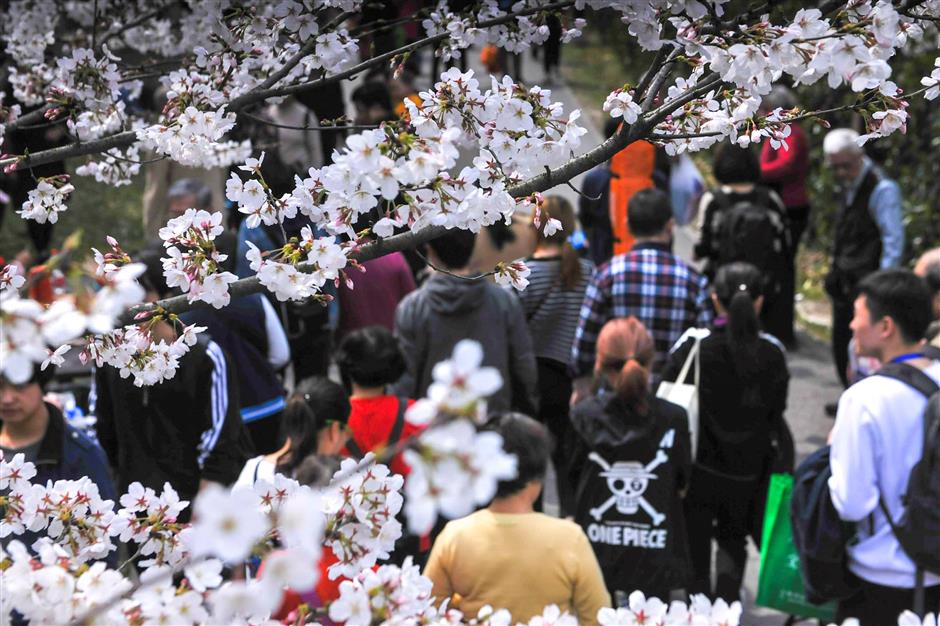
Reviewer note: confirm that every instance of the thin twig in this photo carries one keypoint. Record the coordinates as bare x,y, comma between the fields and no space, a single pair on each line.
442,270
582,194
261,120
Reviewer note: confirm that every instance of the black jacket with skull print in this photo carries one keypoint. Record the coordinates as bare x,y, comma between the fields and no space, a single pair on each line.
629,470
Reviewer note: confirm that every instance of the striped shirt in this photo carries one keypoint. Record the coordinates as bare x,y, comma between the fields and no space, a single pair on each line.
551,311
654,285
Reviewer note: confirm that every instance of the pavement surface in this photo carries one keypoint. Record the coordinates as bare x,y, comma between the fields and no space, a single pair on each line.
813,379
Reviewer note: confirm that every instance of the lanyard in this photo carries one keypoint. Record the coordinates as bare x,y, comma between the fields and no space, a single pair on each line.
907,357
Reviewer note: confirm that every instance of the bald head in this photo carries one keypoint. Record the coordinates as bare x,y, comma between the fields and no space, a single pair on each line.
928,268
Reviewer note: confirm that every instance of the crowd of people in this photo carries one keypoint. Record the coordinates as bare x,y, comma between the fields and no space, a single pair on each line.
653,496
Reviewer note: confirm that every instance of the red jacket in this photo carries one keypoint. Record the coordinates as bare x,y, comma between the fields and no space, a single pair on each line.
786,169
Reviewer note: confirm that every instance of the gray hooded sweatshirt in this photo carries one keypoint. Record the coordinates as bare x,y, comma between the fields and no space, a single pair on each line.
431,320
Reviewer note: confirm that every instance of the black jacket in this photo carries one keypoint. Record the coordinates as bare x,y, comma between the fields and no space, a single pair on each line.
179,431
740,417
629,469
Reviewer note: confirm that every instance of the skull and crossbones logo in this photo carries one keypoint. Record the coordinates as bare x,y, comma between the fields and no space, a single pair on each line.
627,481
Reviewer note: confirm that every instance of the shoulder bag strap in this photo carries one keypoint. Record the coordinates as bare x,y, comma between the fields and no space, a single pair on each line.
353,448
399,425
689,359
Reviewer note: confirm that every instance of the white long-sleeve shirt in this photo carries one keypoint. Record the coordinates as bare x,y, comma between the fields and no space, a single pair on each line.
877,440
278,347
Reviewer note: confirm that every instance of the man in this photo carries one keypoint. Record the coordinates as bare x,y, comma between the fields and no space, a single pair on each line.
876,441
187,430
511,557
928,268
649,282
38,430
594,206
451,306
868,233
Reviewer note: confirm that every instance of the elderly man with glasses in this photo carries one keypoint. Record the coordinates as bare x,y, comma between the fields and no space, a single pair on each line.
868,233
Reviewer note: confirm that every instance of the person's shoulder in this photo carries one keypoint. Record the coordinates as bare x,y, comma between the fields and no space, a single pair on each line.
688,337
773,343
81,441
555,527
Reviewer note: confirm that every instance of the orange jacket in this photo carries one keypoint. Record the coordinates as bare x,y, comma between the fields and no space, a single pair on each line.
631,170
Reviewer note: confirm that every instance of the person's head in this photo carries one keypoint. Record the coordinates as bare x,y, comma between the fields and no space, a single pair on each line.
649,215
843,154
738,294
892,312
373,103
780,97
625,351
560,209
529,441
453,249
22,403
928,268
188,193
736,165
370,358
313,422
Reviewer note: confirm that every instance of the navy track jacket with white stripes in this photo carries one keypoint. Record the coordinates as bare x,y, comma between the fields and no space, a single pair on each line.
179,431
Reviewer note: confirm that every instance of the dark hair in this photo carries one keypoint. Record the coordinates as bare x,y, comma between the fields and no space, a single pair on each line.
901,295
734,164
373,93
560,209
316,470
454,248
529,441
152,279
648,212
370,357
737,286
314,405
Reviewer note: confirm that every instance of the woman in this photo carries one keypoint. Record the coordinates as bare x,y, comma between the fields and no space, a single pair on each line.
633,461
738,172
551,303
314,422
509,556
742,432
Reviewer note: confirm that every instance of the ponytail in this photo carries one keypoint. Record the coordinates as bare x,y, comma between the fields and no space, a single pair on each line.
570,267
632,385
737,286
314,405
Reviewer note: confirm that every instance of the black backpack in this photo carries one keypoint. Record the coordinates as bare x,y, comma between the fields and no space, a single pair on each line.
750,231
819,535
918,528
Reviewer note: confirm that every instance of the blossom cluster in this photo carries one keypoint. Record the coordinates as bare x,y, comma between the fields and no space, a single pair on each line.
115,167
45,202
193,262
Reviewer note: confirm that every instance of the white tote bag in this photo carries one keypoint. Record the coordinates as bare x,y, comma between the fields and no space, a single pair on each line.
686,395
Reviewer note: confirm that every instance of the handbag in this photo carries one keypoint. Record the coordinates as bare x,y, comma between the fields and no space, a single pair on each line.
684,394
780,583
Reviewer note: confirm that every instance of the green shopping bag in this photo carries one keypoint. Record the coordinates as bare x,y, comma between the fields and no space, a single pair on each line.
779,584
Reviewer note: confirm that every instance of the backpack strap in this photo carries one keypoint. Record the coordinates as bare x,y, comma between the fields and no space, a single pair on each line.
910,376
399,425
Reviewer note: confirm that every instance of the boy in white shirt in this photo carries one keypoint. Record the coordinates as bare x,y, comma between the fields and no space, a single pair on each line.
876,441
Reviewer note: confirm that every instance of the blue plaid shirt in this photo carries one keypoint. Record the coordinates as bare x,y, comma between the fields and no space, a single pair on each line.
654,285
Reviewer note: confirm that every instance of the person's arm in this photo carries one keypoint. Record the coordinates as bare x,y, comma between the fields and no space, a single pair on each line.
589,594
703,222
278,347
595,312
885,207
704,314
854,480
221,449
522,367
439,565
407,336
